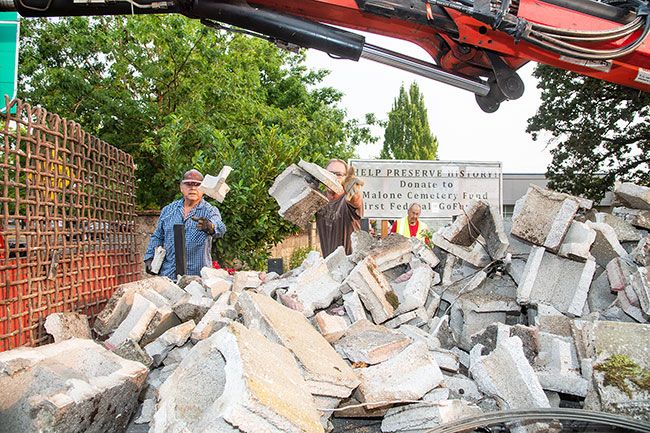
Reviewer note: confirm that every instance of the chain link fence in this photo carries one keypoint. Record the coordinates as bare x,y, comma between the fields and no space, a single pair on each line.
67,216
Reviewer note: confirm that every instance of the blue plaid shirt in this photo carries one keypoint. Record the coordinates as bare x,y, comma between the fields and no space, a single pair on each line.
197,243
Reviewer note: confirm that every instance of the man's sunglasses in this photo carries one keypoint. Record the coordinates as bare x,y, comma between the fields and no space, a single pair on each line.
191,183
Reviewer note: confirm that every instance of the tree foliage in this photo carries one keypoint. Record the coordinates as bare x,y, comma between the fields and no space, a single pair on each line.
407,134
600,132
178,95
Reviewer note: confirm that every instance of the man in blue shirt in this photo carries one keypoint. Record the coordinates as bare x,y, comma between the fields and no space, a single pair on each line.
202,222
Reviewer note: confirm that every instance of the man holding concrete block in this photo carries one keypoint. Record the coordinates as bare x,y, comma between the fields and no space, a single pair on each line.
202,222
342,215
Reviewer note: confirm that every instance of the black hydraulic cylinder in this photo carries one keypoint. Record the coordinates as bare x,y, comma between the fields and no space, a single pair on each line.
596,9
287,28
179,249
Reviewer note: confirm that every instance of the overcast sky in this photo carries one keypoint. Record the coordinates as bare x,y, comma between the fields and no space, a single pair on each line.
464,131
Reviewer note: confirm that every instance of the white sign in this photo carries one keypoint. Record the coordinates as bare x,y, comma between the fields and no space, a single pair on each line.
442,188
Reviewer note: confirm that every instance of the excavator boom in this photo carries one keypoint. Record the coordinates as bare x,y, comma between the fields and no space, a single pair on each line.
476,45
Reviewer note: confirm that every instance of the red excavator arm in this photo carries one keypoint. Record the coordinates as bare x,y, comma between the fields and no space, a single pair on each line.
476,45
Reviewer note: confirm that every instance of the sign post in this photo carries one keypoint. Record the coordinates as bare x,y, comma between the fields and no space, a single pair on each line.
9,35
441,188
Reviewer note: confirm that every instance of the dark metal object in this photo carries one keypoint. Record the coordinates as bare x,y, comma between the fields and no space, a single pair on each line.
299,31
275,265
365,224
65,8
595,9
488,419
179,249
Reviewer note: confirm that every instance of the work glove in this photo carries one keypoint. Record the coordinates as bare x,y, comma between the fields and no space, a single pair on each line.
351,184
147,267
205,225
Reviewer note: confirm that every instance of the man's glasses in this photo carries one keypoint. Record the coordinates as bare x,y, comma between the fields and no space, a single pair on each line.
337,173
191,183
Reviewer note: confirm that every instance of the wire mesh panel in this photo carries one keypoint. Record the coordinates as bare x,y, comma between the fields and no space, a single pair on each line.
67,217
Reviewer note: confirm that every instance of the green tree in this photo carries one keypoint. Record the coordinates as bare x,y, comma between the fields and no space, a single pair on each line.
407,134
599,132
176,94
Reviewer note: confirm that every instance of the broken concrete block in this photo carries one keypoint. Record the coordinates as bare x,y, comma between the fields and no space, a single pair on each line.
353,307
147,409
176,336
322,175
625,232
313,289
131,350
63,326
462,388
618,272
577,242
417,317
641,253
436,394
641,286
135,324
461,287
638,218
209,272
370,343
338,264
557,366
606,246
392,251
74,386
196,289
490,336
422,417
218,316
217,286
552,280
225,384
634,196
413,293
246,280
192,308
423,252
362,242
325,372
628,307
216,186
418,334
164,318
330,326
476,255
544,216
373,290
600,294
178,354
407,376
297,199
505,373
119,304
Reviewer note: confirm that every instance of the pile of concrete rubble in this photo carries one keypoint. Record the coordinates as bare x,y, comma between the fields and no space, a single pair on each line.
417,337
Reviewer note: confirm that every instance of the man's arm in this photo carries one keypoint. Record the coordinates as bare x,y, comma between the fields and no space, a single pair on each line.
215,218
352,187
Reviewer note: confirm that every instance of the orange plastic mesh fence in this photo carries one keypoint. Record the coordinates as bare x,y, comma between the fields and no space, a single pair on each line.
67,217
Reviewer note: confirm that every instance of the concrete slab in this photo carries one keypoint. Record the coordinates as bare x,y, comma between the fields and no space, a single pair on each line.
297,199
407,376
226,385
577,242
422,417
370,343
322,175
330,326
325,372
216,186
606,246
636,217
625,232
551,280
75,386
634,196
314,289
135,324
373,289
176,336
63,326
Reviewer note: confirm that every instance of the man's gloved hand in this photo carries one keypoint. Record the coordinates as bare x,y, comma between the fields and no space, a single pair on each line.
205,225
352,184
147,266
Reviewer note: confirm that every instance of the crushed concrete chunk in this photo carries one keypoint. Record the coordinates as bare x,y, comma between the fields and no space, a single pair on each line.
544,216
218,316
74,386
606,246
246,280
353,307
475,255
406,376
297,199
369,343
422,417
63,326
578,241
338,264
192,308
373,290
638,218
313,289
135,324
557,366
330,326
176,336
322,175
225,384
131,350
641,286
634,196
462,388
147,410
625,232
392,251
506,374
216,186
424,253
552,280
413,293
325,372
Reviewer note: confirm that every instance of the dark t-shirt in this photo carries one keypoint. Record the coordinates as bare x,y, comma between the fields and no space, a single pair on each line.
336,222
